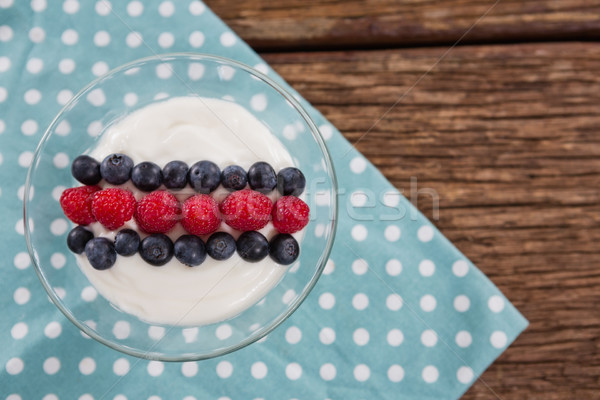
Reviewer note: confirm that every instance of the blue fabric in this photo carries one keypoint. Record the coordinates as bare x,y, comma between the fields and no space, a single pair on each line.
399,312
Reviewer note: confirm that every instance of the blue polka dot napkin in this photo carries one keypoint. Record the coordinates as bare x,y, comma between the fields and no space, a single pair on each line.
398,313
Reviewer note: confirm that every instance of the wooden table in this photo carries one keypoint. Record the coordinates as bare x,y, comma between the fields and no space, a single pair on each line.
498,110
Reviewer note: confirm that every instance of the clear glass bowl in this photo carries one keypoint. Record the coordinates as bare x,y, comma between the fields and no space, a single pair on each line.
78,127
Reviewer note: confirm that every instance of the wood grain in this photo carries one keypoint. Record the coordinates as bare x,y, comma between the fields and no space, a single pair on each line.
330,24
509,137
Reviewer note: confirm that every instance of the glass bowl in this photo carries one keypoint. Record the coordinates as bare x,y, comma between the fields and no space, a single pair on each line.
76,130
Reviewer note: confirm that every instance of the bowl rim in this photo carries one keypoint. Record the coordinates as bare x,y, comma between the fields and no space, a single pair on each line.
150,354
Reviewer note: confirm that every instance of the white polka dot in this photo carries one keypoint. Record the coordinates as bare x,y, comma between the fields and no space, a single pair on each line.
425,233
395,337
87,366
392,233
189,368
38,5
94,128
197,8
101,38
426,268
6,33
430,374
262,68
359,233
135,8
37,34
2,126
429,338
361,336
155,368
99,68
64,96
319,230
134,39
428,303
293,371
195,71
360,266
496,303
96,97
53,330
196,39
498,339
121,330
166,9
225,369
293,335
326,131
329,267
362,372
228,39
130,99
460,268
58,260
156,332
22,295
32,96
121,367
161,95
71,6
14,366
166,40
395,373
258,102
288,296
164,71
359,198
59,226
465,375
91,324
358,165
327,336
103,7
190,335
20,227
34,65
394,302
69,37
258,370
393,267
6,3
226,73
19,330
52,396
14,397
66,66
51,365
22,260
463,339
327,372
63,128
224,331
5,64
461,303
60,292
61,160
3,94
327,301
360,301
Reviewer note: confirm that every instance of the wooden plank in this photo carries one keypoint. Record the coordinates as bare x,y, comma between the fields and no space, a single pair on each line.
330,24
509,138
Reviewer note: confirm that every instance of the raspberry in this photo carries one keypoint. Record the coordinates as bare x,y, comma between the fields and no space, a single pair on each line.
157,212
290,214
113,207
77,204
246,210
200,215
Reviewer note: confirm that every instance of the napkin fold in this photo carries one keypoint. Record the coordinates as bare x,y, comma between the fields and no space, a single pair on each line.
398,313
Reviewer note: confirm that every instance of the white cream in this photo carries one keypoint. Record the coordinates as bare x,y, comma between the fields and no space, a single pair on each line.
189,129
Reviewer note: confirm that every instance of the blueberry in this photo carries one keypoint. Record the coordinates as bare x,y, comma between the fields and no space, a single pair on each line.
284,249
252,246
101,253
175,175
190,250
220,245
78,238
156,249
127,242
116,168
291,182
261,177
146,176
234,177
204,176
86,170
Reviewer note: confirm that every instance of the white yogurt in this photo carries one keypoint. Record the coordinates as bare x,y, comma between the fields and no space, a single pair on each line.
189,129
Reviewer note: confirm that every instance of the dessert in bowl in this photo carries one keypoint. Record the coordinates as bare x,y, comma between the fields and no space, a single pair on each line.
201,111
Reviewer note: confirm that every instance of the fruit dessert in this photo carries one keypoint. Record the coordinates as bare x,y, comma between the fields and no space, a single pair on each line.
183,218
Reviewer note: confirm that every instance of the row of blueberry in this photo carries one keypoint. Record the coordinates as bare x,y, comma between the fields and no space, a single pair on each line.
203,176
158,249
